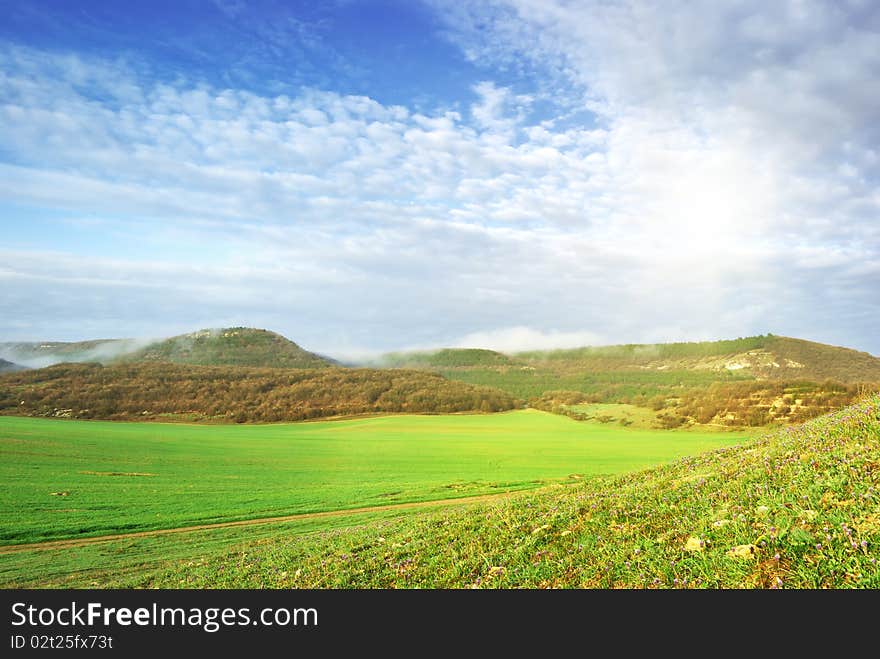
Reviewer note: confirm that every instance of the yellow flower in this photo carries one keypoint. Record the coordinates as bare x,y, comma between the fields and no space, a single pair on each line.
743,551
693,544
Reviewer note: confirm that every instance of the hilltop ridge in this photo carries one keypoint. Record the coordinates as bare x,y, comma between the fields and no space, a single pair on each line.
446,358
764,357
231,346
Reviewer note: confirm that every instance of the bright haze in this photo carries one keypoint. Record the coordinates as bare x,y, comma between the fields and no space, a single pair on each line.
364,176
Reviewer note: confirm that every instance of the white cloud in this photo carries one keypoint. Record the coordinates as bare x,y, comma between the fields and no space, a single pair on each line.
728,186
519,339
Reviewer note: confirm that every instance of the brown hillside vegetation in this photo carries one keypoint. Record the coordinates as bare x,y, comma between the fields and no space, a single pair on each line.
806,359
178,392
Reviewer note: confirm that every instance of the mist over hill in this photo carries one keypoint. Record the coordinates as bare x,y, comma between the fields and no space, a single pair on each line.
37,354
8,367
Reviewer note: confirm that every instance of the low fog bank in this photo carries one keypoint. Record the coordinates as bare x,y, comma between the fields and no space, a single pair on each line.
38,354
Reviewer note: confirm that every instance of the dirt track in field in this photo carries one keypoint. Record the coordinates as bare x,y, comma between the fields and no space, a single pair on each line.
79,542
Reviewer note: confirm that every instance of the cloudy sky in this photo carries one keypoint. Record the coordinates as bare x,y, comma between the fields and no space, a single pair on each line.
366,175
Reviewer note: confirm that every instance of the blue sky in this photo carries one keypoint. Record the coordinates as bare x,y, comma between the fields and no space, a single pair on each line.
364,176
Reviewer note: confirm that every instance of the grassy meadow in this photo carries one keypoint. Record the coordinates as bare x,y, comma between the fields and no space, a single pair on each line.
796,508
68,479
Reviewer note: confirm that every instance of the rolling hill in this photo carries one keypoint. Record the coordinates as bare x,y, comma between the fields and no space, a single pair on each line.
232,346
760,357
749,381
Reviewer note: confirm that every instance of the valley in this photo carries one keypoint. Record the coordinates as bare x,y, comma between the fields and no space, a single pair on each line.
178,462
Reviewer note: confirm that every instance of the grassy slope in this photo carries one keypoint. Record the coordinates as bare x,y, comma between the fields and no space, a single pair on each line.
233,346
802,504
135,476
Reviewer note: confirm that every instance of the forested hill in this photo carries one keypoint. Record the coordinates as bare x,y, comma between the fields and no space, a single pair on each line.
178,392
233,346
747,381
766,357
446,358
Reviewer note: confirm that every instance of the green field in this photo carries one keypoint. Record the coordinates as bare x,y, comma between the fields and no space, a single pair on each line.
71,479
795,508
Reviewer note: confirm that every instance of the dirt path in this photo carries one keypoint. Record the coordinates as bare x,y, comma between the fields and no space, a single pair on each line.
79,542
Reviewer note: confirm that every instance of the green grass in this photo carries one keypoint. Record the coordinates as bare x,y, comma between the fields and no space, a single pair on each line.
801,503
798,508
629,416
120,477
129,562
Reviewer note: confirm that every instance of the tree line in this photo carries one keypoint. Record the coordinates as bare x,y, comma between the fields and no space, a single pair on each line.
242,395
